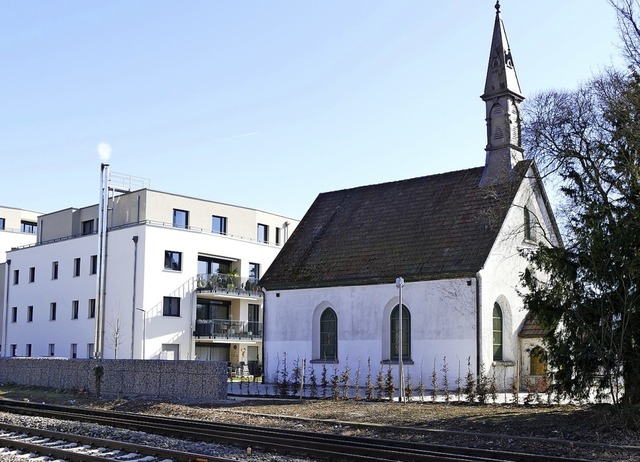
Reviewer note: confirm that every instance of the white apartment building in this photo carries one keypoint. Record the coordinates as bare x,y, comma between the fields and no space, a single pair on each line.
18,227
171,277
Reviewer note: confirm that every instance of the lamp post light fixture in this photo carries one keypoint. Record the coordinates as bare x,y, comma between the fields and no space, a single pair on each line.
401,397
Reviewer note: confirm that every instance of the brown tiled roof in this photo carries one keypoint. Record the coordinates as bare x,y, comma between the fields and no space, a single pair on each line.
423,228
531,328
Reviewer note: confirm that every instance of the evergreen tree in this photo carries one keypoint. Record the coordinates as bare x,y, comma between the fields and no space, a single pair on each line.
389,384
356,392
368,386
445,380
323,380
587,291
470,383
434,382
313,382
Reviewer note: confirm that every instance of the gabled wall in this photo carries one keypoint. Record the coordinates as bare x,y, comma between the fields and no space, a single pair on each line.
500,276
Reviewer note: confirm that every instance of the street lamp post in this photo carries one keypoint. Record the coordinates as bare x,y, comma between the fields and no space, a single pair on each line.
399,285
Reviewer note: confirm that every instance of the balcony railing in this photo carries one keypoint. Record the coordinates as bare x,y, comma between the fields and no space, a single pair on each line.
227,329
228,283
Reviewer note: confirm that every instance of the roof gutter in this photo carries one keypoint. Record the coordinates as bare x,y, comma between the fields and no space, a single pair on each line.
478,324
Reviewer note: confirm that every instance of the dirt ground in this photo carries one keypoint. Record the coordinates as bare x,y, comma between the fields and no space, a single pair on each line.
591,432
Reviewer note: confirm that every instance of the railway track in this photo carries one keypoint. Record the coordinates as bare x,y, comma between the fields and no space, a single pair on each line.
312,445
78,448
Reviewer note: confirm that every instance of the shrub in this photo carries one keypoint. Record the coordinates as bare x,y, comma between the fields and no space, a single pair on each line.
470,384
368,386
389,384
445,380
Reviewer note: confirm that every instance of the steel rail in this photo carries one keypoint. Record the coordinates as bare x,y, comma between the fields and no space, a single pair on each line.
335,447
48,449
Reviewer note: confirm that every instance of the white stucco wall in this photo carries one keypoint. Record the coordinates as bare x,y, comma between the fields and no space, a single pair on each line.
443,324
42,331
500,279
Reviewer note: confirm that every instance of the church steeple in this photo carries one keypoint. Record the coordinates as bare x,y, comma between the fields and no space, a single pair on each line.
502,99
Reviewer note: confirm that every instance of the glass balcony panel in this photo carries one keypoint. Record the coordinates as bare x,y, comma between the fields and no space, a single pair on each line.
228,283
225,328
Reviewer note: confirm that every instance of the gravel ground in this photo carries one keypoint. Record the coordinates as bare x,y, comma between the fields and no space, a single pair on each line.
589,432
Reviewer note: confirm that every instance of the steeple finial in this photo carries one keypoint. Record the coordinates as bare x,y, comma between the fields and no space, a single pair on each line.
497,6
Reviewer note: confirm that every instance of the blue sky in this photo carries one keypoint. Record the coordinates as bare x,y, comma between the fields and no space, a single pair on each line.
265,104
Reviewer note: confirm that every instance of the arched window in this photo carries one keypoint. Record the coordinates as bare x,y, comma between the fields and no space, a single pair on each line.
329,335
537,361
406,333
497,332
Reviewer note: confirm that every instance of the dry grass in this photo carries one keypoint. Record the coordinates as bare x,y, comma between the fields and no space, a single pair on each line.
496,426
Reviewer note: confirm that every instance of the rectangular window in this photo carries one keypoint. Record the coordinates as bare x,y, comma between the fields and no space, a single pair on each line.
171,306
1,223
75,305
93,264
92,308
54,270
52,349
253,324
76,267
52,311
27,350
28,227
173,260
16,277
30,313
254,271
32,274
74,350
219,224
180,218
14,314
14,349
87,227
90,350
263,233
278,232
254,277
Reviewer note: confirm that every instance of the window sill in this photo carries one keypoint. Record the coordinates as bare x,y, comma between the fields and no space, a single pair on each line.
503,363
325,361
395,361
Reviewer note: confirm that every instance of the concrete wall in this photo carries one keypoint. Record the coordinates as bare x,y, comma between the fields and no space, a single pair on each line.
179,381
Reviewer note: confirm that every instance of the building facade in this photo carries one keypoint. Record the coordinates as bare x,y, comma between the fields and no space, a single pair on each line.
18,227
452,244
169,277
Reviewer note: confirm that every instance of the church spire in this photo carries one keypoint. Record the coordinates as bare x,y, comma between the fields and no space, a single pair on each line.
502,97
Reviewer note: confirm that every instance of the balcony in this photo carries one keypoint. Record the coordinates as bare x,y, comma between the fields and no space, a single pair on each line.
228,284
227,329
